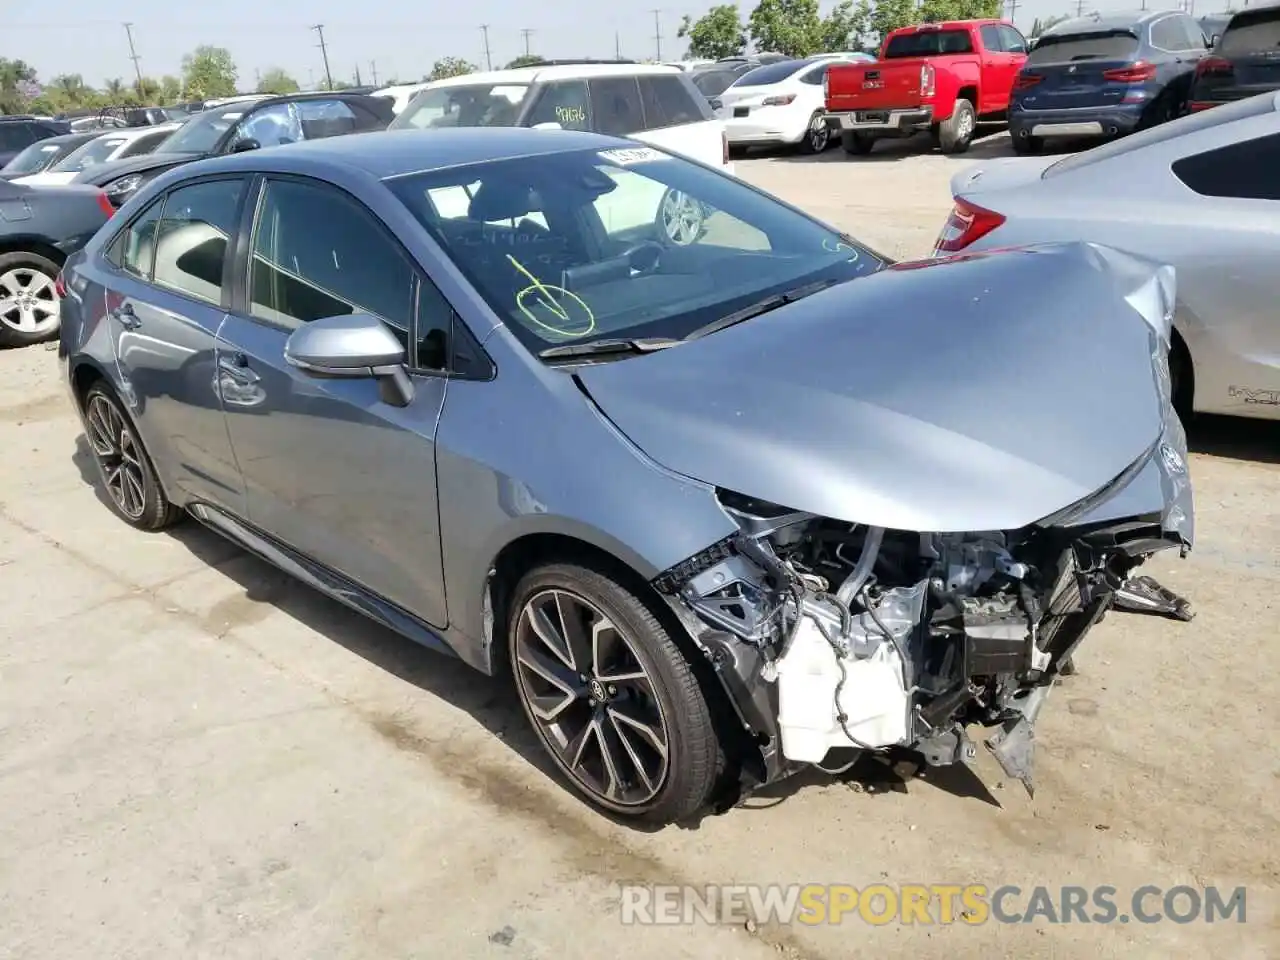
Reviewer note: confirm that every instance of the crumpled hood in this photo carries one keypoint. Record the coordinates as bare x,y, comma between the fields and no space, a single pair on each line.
982,392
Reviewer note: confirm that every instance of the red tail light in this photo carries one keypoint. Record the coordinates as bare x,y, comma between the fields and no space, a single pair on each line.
1138,73
926,80
1195,106
781,100
59,285
967,223
1214,67
1026,81
105,204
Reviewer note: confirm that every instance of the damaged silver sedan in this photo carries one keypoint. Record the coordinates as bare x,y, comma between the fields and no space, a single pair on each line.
724,501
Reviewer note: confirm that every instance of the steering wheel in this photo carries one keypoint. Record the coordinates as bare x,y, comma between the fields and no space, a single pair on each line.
645,257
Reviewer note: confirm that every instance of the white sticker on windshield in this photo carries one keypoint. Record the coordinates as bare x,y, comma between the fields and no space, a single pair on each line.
632,155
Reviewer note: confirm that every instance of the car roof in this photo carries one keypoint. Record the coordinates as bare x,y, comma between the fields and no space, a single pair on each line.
1102,22
394,153
564,71
133,133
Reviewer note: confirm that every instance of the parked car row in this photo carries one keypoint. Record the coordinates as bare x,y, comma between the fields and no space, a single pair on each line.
1099,76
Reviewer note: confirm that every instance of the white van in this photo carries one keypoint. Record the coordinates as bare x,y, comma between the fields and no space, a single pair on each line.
650,103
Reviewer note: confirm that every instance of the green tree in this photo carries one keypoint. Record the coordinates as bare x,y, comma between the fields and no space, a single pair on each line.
525,60
842,28
719,33
17,85
450,67
1041,24
115,90
792,27
276,81
209,72
170,90
936,11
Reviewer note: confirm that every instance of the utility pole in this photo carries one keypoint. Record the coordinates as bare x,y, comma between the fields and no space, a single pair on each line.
358,83
488,56
324,52
373,68
657,33
1013,11
133,55
617,45
527,34
1079,8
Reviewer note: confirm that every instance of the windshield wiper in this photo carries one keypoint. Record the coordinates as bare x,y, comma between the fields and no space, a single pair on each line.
596,347
761,306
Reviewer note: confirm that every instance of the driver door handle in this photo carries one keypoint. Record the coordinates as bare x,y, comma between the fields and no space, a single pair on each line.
237,367
125,316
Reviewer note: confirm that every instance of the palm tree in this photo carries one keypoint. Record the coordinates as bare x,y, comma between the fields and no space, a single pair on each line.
115,90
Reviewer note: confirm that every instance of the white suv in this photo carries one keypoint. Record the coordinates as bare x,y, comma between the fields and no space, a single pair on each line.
653,104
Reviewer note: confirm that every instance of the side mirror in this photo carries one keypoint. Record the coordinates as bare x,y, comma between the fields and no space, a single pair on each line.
353,345
552,125
245,144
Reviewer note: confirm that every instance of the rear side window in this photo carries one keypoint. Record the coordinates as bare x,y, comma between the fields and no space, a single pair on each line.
1252,31
1196,40
928,43
1244,170
668,102
133,250
564,102
616,102
714,82
1070,48
1204,120
15,136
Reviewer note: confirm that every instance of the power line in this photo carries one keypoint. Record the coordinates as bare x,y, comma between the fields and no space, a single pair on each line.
488,57
657,33
324,52
527,33
133,55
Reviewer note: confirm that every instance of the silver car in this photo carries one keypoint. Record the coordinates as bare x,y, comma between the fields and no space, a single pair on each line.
1201,193
721,510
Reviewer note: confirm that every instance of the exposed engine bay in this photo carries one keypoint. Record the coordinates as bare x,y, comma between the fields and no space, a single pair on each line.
828,635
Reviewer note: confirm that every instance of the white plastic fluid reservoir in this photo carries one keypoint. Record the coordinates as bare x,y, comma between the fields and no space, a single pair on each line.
873,698
807,678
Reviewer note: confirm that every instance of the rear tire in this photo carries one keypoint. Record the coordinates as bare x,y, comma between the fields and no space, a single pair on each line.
1026,146
857,144
29,307
124,466
956,132
817,136
635,737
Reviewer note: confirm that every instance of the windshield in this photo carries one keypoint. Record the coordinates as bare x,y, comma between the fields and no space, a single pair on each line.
770,73
202,132
35,158
578,246
90,155
1252,31
464,105
928,43
1067,48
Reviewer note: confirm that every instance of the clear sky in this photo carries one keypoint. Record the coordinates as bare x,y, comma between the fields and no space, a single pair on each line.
402,37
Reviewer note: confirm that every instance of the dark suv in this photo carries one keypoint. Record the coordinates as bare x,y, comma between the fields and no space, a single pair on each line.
19,132
1245,60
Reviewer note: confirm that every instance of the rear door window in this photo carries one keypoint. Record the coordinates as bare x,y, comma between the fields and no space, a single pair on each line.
1014,42
1167,34
991,38
770,73
564,102
1078,47
928,43
1252,31
668,102
191,243
321,119
616,104
15,136
1243,170
1196,40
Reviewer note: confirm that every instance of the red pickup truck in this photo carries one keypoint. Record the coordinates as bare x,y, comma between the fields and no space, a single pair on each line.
941,77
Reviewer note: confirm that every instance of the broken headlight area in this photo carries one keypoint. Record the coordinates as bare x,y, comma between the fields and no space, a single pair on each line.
827,635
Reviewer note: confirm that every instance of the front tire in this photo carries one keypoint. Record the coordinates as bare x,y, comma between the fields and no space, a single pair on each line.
610,695
30,311
128,476
956,132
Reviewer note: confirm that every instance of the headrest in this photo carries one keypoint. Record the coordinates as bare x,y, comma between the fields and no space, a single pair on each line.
501,200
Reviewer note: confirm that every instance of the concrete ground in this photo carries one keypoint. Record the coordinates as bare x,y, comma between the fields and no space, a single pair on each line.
202,758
